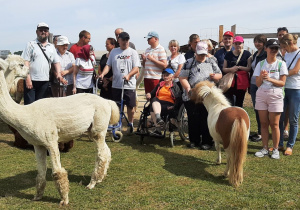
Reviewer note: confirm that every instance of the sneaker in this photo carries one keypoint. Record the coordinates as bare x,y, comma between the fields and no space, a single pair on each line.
156,133
262,153
275,154
130,128
160,122
285,134
256,138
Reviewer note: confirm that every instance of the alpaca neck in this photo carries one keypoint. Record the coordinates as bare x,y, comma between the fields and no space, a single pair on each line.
9,110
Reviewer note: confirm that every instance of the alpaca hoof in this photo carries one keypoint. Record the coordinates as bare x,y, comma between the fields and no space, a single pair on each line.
64,203
90,186
37,198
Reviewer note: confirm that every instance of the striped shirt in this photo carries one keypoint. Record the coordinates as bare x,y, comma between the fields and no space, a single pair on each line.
151,70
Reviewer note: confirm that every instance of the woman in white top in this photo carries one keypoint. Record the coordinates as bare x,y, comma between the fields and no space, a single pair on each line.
292,89
270,78
83,72
175,60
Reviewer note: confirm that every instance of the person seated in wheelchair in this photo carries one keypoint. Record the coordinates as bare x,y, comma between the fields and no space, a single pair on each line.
163,98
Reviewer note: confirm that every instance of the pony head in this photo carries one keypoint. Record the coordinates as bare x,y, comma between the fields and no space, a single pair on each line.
201,90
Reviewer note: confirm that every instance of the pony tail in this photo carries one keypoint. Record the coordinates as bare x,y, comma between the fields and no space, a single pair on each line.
238,151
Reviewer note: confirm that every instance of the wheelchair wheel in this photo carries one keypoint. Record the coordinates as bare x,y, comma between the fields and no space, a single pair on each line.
172,138
118,137
183,123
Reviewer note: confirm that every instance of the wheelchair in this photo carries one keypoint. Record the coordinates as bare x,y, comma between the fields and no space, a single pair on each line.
175,120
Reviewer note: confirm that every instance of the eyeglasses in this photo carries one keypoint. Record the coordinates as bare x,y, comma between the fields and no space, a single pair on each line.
274,48
43,29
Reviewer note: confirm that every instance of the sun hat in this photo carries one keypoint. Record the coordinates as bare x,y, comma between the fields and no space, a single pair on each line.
272,43
168,70
42,25
152,34
238,39
228,33
201,48
62,40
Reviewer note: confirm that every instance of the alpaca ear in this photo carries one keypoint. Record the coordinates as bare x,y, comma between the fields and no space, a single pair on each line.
3,65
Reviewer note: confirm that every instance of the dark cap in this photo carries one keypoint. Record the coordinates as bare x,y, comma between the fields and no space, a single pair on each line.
124,35
272,43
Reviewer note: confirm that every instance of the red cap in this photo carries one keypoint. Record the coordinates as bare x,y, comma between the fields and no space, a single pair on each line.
228,33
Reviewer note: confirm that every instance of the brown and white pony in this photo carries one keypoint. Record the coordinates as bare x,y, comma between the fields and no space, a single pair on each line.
227,125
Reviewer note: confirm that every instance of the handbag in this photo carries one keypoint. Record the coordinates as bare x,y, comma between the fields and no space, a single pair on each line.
226,81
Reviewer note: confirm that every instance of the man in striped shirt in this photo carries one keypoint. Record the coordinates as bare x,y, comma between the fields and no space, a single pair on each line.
154,61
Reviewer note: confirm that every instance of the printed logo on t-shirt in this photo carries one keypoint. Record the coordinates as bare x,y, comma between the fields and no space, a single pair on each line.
123,56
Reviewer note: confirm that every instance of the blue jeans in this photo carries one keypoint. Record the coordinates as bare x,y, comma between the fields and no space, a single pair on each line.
292,102
253,89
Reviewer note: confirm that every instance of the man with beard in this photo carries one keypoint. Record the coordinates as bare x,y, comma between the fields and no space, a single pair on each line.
39,54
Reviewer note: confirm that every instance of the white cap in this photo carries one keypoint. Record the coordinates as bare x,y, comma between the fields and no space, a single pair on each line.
201,48
62,40
42,25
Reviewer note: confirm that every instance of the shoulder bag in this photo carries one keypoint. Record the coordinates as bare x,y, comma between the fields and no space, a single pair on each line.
226,81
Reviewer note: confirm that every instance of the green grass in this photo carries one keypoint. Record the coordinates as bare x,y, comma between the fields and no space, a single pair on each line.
151,176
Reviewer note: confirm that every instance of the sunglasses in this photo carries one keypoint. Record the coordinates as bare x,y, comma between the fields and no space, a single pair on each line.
43,29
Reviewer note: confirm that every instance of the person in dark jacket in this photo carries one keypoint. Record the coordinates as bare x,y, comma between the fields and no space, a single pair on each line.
163,97
259,42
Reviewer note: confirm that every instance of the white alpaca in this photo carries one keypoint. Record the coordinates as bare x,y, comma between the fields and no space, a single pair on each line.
227,125
46,122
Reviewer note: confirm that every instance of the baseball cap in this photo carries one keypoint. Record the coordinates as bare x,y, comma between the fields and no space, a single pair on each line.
168,70
228,33
201,48
42,25
238,39
152,34
62,40
272,43
124,35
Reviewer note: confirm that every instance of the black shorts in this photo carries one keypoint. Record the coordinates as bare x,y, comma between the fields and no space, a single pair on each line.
164,105
129,97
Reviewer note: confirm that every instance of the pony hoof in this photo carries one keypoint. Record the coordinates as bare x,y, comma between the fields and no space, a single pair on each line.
218,162
64,203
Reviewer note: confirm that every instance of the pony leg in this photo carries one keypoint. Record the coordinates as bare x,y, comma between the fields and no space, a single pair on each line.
41,156
218,148
102,160
60,175
226,172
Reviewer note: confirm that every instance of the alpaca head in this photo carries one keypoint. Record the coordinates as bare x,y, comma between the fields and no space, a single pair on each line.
201,90
16,66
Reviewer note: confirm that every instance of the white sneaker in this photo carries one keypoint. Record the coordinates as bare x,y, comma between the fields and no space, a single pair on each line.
285,134
275,154
262,153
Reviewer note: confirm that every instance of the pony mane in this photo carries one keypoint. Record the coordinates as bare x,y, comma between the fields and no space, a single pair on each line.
206,88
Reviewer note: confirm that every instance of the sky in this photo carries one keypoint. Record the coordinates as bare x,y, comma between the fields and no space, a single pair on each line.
176,19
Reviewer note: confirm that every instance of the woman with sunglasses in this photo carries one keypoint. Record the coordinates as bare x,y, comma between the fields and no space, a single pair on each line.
236,62
292,90
270,78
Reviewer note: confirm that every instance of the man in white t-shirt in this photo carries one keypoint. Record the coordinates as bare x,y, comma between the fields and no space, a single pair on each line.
154,61
124,62
39,54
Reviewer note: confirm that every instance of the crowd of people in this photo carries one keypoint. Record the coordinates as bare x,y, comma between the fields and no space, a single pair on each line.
271,76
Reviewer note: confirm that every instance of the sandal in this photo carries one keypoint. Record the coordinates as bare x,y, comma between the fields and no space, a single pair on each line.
288,151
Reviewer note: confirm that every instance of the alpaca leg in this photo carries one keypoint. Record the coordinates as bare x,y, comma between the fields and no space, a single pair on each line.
218,148
226,172
102,161
40,155
60,175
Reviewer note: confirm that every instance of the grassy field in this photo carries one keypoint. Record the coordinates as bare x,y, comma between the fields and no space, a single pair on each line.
151,176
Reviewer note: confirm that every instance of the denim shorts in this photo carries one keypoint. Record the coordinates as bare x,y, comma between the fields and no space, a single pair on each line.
269,99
